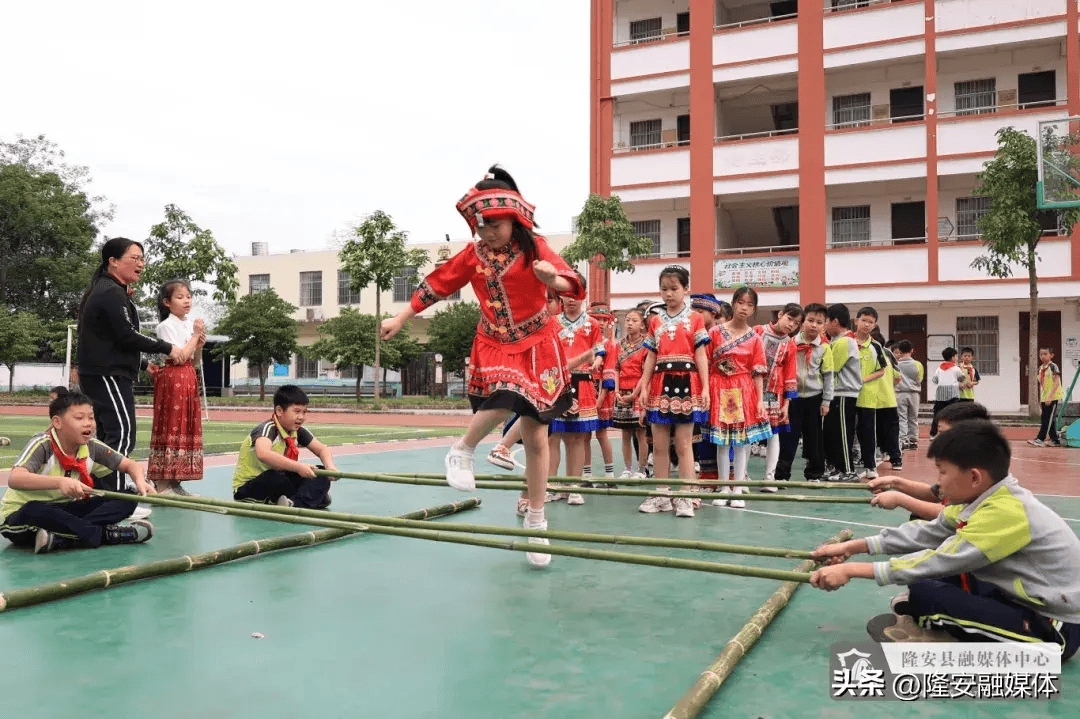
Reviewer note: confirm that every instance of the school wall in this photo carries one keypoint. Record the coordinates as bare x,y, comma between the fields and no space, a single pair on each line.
31,375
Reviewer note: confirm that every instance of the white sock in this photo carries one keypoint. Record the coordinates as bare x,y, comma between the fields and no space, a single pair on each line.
772,454
586,471
609,470
534,517
464,447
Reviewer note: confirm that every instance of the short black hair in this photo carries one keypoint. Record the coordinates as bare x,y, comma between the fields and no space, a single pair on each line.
868,310
962,412
948,353
59,390
840,313
794,309
974,444
288,395
968,350
725,309
680,273
904,346
816,308
67,399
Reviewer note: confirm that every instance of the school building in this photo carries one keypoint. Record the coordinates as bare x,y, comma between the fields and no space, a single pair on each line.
314,282
827,151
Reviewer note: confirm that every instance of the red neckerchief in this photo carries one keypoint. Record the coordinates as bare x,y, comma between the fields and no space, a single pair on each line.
807,348
965,578
69,463
292,451
946,366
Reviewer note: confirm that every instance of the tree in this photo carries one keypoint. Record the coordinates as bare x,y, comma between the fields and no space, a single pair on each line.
46,240
19,333
605,233
1011,228
261,330
178,248
376,255
348,340
451,332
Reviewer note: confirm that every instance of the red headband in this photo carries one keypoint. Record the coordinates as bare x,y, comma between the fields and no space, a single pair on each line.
493,204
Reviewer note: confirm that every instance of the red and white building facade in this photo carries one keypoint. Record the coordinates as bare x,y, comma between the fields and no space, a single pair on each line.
826,151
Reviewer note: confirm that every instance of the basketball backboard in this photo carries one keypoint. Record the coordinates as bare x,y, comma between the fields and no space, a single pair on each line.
1058,144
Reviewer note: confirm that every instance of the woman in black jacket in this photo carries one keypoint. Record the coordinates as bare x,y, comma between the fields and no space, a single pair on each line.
110,347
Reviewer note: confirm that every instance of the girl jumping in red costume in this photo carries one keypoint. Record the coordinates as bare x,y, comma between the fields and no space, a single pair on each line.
517,363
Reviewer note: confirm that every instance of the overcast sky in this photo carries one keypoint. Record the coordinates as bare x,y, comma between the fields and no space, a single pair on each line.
284,121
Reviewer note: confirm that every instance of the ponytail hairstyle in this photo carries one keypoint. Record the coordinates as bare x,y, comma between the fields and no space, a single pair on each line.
166,293
680,273
502,180
114,249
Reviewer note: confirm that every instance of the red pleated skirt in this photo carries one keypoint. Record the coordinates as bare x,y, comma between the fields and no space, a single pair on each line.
176,446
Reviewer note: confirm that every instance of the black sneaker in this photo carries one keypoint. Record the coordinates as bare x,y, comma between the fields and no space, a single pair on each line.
135,533
897,466
45,542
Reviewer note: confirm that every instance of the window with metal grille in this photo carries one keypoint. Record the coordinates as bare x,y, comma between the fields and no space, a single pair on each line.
258,283
976,97
844,4
310,289
981,335
345,294
650,229
405,284
851,226
682,237
306,368
644,133
851,110
253,370
649,29
968,212
349,371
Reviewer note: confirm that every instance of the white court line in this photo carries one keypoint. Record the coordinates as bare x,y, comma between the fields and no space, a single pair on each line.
814,519
1045,461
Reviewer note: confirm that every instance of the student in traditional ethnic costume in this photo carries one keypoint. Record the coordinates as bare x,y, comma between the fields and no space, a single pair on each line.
604,382
781,384
676,379
582,343
705,463
517,363
269,469
48,505
739,417
176,449
814,374
629,363
996,565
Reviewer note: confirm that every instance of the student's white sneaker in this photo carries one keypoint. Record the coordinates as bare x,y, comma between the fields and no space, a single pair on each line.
142,511
522,506
536,559
574,498
769,490
868,474
460,469
683,507
738,503
723,501
654,505
638,475
626,474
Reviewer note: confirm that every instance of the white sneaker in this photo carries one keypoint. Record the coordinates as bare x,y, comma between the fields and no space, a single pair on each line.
738,503
142,511
574,498
683,507
723,501
179,490
769,490
868,474
284,501
522,506
555,496
697,468
638,475
459,469
626,474
653,505
504,459
536,559
165,488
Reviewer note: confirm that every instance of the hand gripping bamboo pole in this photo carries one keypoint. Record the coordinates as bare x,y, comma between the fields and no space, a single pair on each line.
19,598
696,565
695,698
504,531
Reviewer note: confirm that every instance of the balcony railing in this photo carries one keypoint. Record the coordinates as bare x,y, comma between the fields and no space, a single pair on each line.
878,243
756,135
832,7
651,146
764,250
878,123
1013,106
756,21
651,39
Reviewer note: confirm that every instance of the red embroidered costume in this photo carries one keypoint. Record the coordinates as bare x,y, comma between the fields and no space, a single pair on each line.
605,377
176,438
517,360
578,336
629,364
675,389
782,381
733,363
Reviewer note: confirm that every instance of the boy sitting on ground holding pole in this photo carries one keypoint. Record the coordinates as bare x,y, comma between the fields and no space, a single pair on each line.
996,565
48,504
268,469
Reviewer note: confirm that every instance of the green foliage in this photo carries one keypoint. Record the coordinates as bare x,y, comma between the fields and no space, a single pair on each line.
451,332
349,339
19,333
604,230
46,239
261,330
179,249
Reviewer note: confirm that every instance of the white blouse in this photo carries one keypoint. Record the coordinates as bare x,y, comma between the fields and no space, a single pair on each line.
175,331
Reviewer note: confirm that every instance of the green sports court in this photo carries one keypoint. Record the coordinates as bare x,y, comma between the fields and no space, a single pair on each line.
394,627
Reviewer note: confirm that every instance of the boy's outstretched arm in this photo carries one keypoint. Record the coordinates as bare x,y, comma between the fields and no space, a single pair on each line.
837,575
324,454
894,499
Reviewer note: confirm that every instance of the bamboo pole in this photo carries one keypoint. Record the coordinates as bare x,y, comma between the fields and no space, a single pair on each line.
695,698
19,598
697,565
653,481
517,486
211,502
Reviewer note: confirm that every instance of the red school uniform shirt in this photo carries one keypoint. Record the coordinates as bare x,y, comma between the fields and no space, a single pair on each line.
630,363
578,336
513,300
674,338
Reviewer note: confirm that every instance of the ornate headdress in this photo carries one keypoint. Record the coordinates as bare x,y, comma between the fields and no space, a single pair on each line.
494,203
601,311
706,302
